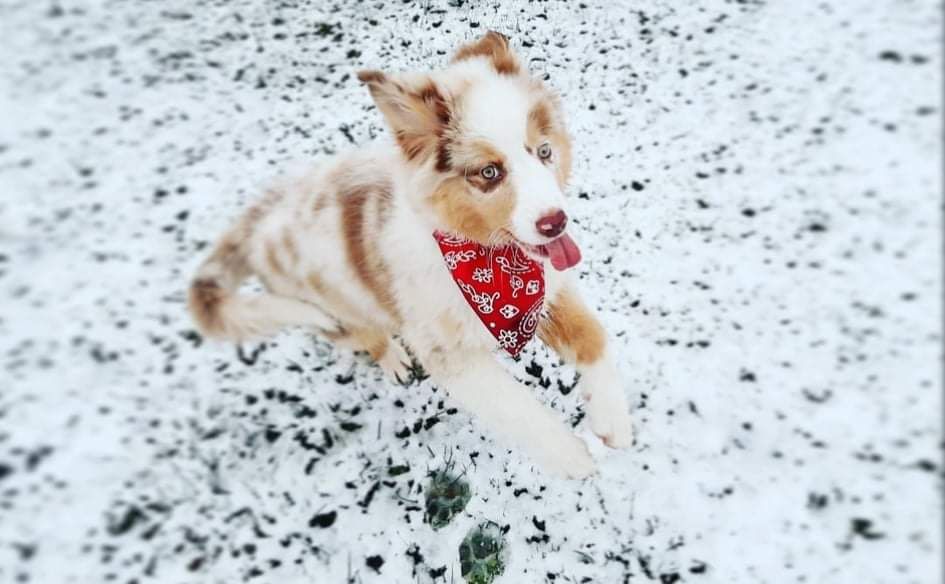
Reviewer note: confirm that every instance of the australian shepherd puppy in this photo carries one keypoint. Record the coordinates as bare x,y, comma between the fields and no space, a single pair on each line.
481,152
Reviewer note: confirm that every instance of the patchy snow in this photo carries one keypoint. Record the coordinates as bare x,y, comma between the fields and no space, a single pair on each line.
758,194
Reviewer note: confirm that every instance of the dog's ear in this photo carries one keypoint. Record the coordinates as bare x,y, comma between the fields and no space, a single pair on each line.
416,109
495,47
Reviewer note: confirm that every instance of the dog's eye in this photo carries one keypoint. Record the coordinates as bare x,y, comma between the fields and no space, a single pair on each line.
544,151
490,172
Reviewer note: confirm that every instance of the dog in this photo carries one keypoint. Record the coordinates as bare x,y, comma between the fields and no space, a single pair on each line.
359,250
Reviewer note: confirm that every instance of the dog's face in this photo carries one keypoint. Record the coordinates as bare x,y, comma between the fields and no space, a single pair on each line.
494,143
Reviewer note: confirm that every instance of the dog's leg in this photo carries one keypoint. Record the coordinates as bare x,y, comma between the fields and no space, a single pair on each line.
384,350
478,383
387,353
575,333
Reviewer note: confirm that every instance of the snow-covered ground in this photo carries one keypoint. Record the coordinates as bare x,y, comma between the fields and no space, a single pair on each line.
758,196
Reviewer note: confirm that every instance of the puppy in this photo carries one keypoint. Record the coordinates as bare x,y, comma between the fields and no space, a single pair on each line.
367,247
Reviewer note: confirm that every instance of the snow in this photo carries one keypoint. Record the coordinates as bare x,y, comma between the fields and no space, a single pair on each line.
757,190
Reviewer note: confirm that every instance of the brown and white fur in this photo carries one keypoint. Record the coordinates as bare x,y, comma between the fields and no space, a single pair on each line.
348,250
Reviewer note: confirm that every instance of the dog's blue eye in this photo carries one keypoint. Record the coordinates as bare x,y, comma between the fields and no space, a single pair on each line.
544,151
489,172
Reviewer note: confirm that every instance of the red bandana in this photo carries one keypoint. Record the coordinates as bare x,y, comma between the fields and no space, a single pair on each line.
503,286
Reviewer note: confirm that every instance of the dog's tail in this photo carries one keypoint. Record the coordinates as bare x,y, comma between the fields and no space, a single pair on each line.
222,313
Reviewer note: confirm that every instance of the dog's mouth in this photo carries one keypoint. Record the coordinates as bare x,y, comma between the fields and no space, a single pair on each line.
561,251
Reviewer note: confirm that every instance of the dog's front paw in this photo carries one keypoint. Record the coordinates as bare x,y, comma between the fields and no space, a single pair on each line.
567,457
610,420
396,363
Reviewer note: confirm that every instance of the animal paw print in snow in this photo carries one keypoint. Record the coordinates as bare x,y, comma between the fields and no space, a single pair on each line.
482,554
447,496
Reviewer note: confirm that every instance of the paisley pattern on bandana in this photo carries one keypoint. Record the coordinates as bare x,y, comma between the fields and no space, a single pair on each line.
502,285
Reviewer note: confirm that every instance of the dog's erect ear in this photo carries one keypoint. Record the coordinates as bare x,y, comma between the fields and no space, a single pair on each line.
495,47
416,110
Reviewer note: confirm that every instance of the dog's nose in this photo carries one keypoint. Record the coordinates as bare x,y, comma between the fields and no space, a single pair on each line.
552,224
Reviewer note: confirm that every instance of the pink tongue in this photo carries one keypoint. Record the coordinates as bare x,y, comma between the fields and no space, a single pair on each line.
563,253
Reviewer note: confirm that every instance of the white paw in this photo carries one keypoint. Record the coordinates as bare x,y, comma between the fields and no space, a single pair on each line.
609,420
567,457
396,363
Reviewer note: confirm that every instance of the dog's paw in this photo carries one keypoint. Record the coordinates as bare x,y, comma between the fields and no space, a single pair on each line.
610,421
567,457
396,363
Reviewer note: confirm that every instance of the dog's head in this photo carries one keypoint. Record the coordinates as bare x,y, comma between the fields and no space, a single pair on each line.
491,144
